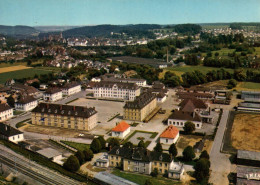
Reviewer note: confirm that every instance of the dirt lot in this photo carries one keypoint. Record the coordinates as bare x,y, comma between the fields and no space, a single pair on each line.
13,68
245,132
51,130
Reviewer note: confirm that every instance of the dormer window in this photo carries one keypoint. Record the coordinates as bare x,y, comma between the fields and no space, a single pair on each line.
76,113
49,110
117,151
56,111
69,112
43,110
160,158
62,112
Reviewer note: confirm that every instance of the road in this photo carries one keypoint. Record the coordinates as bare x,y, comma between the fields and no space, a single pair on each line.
220,164
33,170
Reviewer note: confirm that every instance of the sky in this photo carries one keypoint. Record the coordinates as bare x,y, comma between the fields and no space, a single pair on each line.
94,12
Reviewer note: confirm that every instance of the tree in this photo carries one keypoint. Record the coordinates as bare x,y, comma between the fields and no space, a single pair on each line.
189,127
102,142
128,145
231,83
188,153
88,154
204,154
10,101
154,173
158,148
173,150
141,144
80,156
95,145
113,142
36,84
72,164
202,170
148,182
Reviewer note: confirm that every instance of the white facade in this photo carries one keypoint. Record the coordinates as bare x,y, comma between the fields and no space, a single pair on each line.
27,106
139,82
16,138
96,79
169,141
161,99
116,93
120,134
5,115
181,123
52,97
71,90
103,161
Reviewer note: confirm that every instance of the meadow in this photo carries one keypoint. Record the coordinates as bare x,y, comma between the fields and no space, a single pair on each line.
25,73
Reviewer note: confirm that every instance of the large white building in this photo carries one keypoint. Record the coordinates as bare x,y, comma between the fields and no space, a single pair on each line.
116,90
26,103
139,82
6,112
178,119
71,88
52,94
11,134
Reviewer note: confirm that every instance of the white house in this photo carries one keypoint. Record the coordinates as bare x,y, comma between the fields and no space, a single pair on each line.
26,103
176,171
9,133
71,88
103,161
178,119
6,112
116,90
121,130
52,94
170,135
161,97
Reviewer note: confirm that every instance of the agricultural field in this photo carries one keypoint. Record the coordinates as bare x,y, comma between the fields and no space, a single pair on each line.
217,26
13,68
245,133
25,73
244,86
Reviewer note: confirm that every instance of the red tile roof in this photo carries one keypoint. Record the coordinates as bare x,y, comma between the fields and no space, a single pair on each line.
121,127
170,132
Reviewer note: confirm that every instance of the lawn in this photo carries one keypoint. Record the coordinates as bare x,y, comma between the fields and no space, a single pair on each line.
248,86
13,68
140,179
245,133
77,146
25,73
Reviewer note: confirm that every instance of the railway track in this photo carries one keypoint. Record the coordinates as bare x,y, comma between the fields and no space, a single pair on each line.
38,174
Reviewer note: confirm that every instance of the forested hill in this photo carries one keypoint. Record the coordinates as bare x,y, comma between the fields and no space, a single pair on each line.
105,30
17,30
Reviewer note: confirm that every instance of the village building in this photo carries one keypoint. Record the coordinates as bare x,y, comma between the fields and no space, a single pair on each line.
170,135
248,175
141,107
178,119
71,88
26,103
116,90
139,82
6,112
52,94
65,116
188,95
103,161
121,130
248,158
141,160
251,101
52,154
11,134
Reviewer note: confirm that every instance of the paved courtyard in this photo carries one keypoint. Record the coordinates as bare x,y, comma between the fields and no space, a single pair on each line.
146,137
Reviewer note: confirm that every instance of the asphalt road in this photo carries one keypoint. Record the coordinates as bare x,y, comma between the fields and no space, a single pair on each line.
220,164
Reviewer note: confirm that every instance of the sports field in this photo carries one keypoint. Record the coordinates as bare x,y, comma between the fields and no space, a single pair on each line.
25,73
13,68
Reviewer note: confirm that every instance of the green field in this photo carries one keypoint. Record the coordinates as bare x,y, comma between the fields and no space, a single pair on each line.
25,73
140,179
77,146
248,86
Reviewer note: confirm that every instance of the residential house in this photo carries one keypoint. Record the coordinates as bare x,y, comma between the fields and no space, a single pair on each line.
170,135
26,103
6,112
52,94
178,119
11,134
103,161
141,107
121,130
65,116
52,154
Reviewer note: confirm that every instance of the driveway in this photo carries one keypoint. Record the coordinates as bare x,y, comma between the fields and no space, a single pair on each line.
220,164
